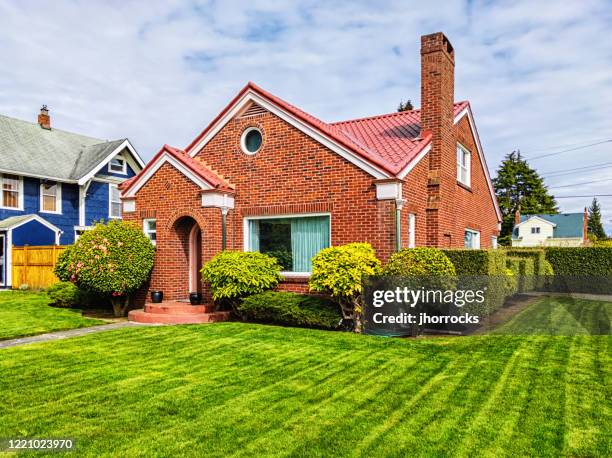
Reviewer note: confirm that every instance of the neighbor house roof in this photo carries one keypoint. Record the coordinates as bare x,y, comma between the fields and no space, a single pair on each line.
566,225
26,148
14,221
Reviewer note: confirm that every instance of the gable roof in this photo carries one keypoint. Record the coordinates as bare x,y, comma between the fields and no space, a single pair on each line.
28,149
16,221
385,146
196,170
566,225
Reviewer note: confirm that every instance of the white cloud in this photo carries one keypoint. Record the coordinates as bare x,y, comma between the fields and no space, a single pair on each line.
537,74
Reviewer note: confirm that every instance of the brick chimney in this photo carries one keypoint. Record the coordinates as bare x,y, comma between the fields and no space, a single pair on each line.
517,217
585,225
437,99
44,120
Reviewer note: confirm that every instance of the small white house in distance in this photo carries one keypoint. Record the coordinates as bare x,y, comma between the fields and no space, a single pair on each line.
562,229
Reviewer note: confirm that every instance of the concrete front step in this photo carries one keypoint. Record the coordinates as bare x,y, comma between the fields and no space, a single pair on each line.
177,307
141,316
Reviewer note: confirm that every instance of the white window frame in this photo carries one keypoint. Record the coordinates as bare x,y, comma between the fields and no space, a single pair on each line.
246,242
123,170
464,165
243,140
475,236
112,186
81,229
147,231
411,230
494,242
58,197
19,192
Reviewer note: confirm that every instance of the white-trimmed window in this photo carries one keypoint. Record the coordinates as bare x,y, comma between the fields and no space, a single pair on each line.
80,230
50,197
118,165
292,240
149,227
114,201
12,191
251,140
471,239
464,166
535,230
411,230
494,242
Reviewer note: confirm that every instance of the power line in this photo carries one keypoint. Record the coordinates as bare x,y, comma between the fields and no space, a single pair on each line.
602,165
567,145
588,195
570,149
579,184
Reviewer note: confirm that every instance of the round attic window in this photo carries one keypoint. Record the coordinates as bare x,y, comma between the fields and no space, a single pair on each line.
251,140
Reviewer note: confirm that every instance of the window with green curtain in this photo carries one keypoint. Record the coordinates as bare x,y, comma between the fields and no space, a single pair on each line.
292,241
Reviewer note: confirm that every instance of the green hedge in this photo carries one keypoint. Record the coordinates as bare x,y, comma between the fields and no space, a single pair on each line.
523,268
291,309
488,266
582,269
539,259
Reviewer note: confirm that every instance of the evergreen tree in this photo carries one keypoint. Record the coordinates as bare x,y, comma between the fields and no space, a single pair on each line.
519,187
595,226
405,106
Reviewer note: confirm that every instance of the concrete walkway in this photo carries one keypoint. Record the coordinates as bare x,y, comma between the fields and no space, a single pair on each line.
58,335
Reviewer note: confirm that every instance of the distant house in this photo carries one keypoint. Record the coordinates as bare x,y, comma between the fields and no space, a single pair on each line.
55,184
563,229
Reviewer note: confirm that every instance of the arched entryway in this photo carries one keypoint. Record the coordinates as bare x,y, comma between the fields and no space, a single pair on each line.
188,256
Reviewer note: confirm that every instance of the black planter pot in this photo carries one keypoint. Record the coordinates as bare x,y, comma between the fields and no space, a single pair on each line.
195,298
157,297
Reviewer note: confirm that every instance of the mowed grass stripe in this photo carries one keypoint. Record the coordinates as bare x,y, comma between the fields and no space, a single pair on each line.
239,389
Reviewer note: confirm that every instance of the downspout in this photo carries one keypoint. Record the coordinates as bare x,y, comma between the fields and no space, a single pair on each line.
399,204
224,211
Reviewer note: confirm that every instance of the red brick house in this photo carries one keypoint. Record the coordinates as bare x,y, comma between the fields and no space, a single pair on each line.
264,175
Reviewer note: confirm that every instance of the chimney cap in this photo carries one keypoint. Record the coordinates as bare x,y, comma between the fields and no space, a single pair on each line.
44,109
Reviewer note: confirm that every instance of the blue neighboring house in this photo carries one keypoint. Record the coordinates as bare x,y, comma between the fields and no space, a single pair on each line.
56,184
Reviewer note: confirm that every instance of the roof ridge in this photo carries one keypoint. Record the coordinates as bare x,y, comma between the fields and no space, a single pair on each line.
387,115
54,129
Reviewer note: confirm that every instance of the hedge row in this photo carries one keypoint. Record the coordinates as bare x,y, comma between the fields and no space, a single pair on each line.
482,268
582,269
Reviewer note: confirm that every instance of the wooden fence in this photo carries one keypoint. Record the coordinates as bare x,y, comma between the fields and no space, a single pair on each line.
33,265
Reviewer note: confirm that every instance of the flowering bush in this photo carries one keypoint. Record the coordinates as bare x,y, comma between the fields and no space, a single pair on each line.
112,259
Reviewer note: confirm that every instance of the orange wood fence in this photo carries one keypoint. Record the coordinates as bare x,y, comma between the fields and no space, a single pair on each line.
33,265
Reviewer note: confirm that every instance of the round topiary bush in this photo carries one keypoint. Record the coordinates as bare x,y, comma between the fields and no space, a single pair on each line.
113,259
338,272
234,274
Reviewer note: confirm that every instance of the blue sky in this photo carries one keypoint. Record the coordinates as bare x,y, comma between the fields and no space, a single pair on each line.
538,74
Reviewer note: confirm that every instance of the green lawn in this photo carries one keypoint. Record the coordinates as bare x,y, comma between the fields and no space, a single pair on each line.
25,314
252,390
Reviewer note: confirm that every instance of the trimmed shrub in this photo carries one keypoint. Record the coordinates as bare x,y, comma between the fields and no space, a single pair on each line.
291,309
511,282
338,271
235,274
480,268
419,262
582,269
539,258
523,268
64,294
113,259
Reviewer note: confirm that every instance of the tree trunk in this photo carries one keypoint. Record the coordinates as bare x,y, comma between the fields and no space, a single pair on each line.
357,309
120,305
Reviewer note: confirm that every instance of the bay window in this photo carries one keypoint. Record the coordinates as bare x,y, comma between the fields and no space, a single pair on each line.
293,241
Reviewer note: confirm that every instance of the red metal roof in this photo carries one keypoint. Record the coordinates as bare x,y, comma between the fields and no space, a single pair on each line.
200,169
389,141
